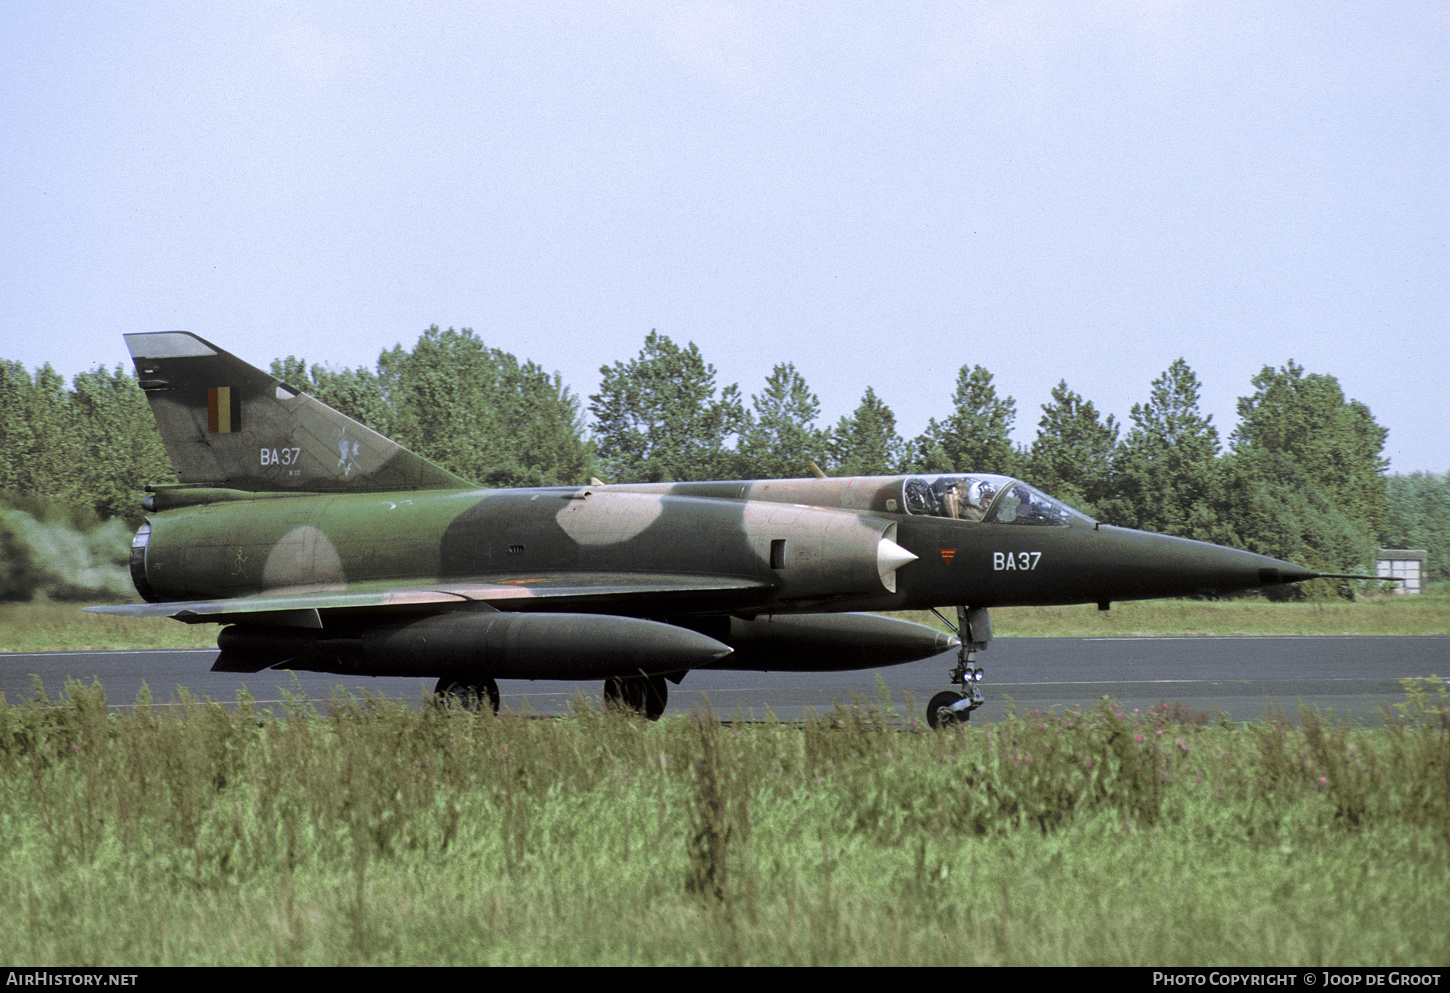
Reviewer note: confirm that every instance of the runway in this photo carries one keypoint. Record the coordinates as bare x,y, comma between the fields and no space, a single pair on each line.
1242,678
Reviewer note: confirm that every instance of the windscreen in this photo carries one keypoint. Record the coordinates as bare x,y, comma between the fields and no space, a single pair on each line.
987,498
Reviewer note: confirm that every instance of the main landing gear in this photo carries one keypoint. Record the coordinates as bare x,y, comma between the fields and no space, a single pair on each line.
644,695
974,629
470,696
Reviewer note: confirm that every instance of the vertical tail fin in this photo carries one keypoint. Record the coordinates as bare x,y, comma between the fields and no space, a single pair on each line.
228,424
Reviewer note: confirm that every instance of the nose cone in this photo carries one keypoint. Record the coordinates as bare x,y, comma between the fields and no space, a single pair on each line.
1143,565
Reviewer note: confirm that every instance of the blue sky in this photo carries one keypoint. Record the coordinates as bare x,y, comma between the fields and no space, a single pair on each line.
1079,191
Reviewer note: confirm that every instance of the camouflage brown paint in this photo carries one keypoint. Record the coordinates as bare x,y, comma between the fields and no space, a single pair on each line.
333,547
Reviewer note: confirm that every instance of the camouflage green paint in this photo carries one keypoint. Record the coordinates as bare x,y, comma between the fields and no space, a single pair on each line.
331,545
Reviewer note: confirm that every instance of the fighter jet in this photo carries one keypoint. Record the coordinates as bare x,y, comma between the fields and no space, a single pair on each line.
322,545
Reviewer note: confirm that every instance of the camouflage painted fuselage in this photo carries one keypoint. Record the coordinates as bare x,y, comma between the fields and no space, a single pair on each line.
329,546
788,546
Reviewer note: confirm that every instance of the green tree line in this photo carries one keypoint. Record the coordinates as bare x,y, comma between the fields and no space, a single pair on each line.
1301,477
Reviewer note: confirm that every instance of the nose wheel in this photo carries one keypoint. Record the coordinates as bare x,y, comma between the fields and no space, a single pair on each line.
939,713
951,707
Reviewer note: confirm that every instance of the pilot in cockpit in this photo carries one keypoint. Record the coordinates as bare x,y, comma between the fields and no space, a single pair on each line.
979,498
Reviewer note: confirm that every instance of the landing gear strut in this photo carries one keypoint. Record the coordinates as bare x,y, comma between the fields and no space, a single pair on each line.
644,695
974,628
470,696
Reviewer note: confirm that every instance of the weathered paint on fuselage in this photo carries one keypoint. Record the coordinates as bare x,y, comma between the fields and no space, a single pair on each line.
991,564
809,545
241,547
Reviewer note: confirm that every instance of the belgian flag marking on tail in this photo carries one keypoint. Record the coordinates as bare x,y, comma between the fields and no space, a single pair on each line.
223,410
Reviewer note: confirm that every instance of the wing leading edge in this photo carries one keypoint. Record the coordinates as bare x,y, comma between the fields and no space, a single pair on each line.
306,604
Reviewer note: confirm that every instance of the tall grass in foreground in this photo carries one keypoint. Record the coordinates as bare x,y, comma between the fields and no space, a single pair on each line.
371,832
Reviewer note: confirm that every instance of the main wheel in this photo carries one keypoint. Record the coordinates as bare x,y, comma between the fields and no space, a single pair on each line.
620,693
656,697
469,696
939,716
644,695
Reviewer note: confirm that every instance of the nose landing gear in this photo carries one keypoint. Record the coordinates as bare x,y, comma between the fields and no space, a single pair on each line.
948,708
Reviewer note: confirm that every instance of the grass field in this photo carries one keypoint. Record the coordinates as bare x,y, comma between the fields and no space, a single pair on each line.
43,626
369,832
1427,614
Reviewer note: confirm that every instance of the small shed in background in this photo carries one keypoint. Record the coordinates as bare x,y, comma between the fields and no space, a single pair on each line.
1405,564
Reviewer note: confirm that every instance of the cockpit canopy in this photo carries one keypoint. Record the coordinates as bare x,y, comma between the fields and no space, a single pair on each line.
985,497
